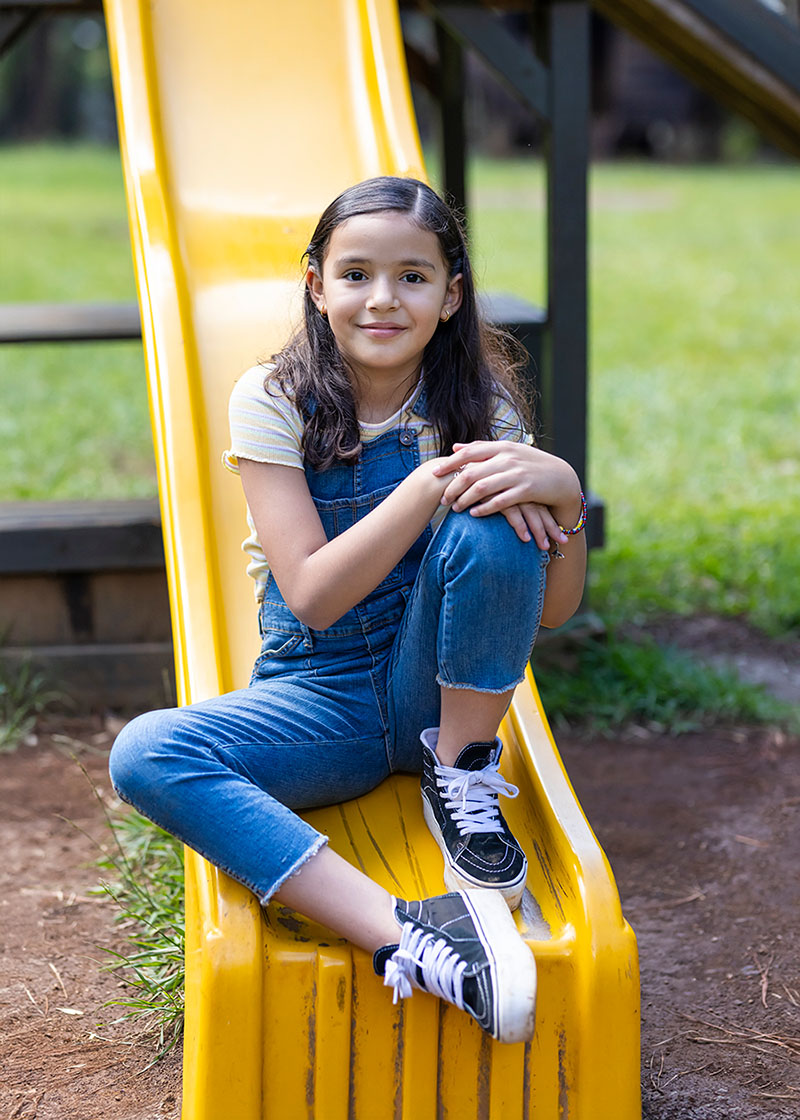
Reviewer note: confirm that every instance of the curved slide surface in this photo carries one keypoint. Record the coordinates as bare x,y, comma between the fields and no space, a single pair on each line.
238,123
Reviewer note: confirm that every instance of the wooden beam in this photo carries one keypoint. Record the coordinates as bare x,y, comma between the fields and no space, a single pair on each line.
79,536
516,67
127,677
757,76
69,322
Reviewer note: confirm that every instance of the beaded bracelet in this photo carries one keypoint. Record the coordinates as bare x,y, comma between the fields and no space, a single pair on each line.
581,520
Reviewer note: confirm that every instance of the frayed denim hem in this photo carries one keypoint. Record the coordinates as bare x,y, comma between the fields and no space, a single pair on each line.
296,867
251,886
478,688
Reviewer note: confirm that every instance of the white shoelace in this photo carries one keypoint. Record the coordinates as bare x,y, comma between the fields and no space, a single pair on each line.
473,796
442,968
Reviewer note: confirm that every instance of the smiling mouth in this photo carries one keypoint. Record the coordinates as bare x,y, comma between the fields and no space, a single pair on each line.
384,329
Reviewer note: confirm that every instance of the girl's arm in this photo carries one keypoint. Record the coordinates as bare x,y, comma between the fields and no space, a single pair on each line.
321,579
537,493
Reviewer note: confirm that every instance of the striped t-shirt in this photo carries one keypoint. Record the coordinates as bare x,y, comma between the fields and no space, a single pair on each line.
267,427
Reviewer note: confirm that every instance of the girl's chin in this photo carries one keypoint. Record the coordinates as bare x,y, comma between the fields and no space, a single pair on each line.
381,361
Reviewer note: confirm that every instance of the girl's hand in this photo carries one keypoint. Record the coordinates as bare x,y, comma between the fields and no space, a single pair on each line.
531,520
534,490
536,493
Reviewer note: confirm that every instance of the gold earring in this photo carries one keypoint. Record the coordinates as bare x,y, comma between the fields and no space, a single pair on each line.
445,315
323,309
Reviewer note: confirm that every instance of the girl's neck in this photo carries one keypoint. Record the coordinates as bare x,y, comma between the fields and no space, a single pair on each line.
377,400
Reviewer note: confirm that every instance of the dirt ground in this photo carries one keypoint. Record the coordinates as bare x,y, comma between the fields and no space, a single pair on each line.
703,835
701,831
62,1055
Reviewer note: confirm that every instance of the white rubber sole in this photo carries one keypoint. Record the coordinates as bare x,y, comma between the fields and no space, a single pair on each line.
455,880
513,966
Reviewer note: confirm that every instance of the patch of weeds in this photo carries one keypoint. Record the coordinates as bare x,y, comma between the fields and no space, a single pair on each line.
718,568
25,692
147,884
607,683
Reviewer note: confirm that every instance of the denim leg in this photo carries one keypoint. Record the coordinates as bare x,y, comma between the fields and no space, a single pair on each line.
471,622
224,775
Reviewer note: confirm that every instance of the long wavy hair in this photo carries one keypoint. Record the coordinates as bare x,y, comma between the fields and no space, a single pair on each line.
467,365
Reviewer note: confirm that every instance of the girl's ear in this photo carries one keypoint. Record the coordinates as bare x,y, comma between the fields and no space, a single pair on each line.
314,285
453,295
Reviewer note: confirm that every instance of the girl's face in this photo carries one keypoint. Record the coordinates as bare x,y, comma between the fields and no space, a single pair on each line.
385,288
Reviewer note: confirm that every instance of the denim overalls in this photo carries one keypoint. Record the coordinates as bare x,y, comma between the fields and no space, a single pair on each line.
329,714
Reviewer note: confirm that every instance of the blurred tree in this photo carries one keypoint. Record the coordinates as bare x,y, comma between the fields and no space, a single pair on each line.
55,82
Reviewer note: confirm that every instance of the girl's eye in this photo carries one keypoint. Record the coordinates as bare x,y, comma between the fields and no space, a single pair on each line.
414,278
355,274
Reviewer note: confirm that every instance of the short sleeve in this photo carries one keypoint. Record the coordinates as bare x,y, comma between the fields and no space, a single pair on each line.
265,425
507,423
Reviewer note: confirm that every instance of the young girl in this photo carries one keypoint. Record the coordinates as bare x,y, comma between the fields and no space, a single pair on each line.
401,523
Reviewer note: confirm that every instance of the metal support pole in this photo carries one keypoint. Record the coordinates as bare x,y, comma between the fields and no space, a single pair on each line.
566,350
451,104
14,26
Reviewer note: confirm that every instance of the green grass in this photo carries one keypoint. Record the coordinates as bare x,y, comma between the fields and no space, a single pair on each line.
64,225
605,683
144,872
75,420
703,347
78,426
695,366
25,692
695,377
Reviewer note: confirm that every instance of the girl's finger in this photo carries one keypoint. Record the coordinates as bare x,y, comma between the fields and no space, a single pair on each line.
476,451
543,525
493,493
493,456
447,463
451,463
457,486
531,515
480,444
551,525
513,516
538,531
451,492
445,466
483,490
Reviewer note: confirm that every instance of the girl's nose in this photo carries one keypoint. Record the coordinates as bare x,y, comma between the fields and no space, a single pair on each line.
382,295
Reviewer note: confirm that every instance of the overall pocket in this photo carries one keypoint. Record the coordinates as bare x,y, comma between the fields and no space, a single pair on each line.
281,633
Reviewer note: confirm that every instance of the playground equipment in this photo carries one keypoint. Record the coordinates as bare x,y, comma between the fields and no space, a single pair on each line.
745,54
236,129
238,124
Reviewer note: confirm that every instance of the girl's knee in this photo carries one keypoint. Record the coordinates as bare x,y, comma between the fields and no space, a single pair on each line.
135,754
493,542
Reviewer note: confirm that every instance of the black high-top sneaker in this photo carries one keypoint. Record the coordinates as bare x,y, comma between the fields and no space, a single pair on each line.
461,810
465,948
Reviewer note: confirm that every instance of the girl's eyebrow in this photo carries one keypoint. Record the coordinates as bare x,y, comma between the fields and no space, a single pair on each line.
418,262
412,262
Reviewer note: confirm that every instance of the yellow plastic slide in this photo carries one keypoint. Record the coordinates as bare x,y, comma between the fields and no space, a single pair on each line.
239,121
